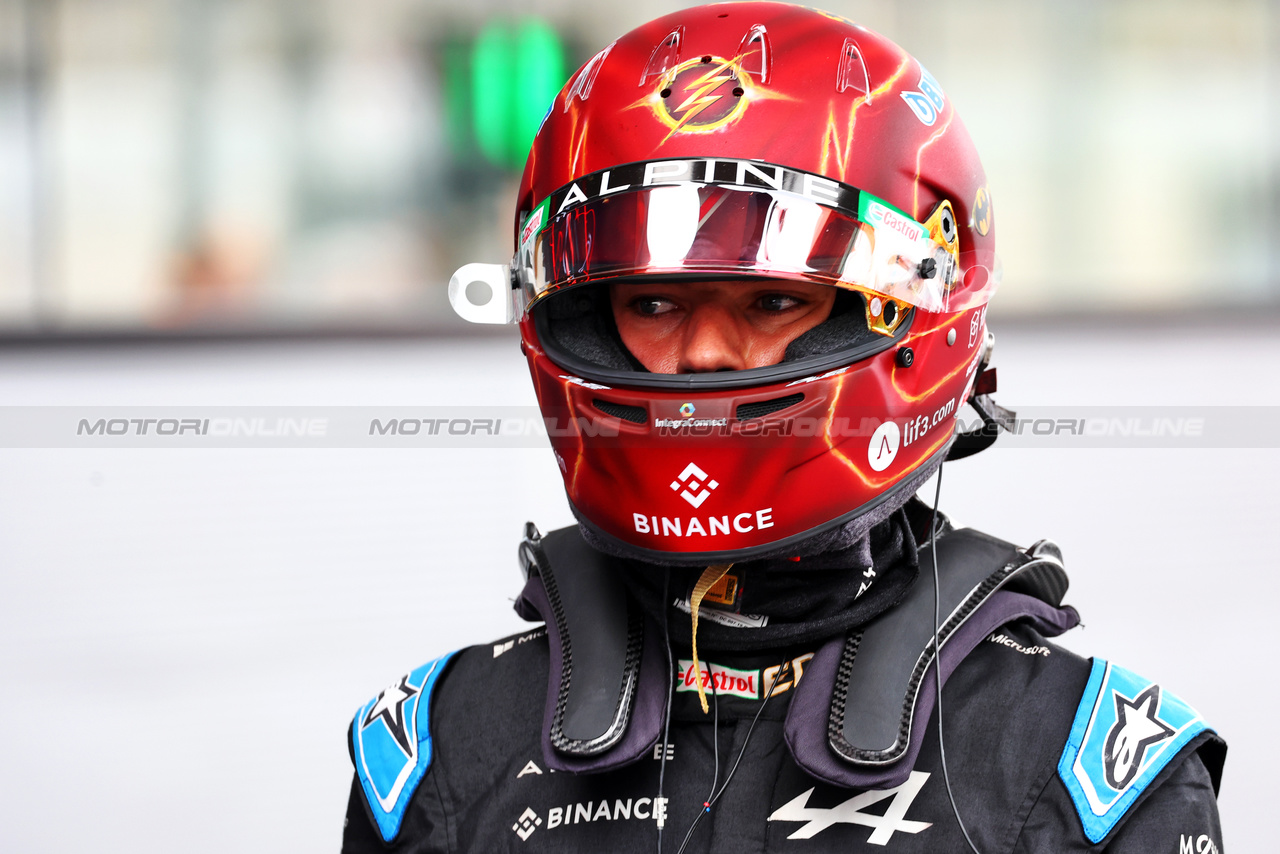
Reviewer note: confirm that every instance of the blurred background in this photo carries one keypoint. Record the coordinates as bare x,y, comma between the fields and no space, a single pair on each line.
233,165
221,203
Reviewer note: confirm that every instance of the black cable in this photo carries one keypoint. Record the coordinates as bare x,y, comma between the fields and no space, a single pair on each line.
715,737
783,670
715,751
937,656
671,681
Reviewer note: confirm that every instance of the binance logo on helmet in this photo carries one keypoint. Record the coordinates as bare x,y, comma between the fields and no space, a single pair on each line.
699,220
704,526
695,486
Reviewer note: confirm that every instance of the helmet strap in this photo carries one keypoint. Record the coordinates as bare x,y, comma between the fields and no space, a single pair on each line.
710,576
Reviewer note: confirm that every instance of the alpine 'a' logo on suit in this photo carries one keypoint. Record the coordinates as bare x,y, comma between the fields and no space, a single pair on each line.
1136,728
854,811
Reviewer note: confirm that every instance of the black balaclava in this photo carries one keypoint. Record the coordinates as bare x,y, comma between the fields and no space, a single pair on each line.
805,600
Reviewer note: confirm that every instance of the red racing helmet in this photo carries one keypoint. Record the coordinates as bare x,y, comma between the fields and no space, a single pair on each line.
739,141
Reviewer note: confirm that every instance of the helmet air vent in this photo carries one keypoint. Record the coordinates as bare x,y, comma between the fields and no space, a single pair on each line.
754,53
586,78
853,71
634,414
761,408
665,56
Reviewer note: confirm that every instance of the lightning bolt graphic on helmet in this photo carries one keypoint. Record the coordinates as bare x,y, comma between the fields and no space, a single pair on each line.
700,99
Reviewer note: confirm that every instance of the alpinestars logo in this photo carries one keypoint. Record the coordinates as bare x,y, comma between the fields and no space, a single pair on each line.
693,480
390,707
853,811
526,824
1136,728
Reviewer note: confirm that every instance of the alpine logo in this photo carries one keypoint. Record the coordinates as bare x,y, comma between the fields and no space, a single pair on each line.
854,811
1136,728
697,487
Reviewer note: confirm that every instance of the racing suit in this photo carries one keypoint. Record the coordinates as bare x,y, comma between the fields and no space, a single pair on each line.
1044,750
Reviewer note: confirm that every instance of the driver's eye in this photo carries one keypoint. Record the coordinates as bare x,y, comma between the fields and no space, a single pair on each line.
651,305
777,302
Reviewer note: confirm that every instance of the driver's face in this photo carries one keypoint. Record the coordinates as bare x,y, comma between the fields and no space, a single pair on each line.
697,327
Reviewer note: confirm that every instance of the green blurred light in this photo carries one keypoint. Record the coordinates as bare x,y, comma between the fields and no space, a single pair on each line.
515,74
457,64
539,75
491,68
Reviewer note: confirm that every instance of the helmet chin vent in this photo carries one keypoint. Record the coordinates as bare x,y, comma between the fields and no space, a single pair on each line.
634,414
761,408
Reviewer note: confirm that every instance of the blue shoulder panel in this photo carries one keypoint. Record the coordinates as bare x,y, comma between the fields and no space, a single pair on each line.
1125,731
391,736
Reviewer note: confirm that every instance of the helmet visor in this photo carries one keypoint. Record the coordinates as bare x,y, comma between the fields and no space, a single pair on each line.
704,218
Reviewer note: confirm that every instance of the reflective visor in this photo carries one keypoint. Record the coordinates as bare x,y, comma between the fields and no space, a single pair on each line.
709,218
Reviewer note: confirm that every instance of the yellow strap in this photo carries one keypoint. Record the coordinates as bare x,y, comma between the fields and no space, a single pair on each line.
708,579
